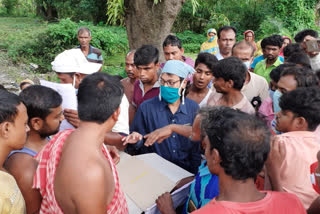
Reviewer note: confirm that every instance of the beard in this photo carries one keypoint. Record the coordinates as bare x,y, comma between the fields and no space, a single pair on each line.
46,131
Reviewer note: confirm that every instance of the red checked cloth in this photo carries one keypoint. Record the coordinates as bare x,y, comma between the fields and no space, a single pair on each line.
48,160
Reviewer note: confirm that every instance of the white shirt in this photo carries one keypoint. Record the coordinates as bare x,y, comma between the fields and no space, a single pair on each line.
257,86
122,125
219,56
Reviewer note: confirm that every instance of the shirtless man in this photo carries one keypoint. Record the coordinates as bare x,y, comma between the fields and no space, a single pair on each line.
128,83
45,115
82,152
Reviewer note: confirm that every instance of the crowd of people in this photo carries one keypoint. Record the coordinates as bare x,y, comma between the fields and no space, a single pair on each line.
243,118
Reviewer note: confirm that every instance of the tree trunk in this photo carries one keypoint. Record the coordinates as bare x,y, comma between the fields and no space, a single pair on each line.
147,23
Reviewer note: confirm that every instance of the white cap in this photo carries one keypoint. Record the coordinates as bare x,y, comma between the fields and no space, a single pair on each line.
74,61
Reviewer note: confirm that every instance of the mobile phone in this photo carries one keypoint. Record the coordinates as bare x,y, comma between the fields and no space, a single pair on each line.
313,45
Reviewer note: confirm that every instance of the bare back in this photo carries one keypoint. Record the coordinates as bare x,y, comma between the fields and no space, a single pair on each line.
84,180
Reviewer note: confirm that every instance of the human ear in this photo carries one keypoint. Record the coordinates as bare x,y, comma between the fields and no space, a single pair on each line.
182,51
36,123
301,123
5,128
230,83
116,114
216,156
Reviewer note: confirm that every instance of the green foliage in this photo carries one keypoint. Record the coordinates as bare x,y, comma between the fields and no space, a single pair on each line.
295,14
61,36
115,12
262,16
17,8
191,42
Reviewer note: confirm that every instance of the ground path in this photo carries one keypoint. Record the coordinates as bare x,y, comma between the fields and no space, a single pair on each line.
12,74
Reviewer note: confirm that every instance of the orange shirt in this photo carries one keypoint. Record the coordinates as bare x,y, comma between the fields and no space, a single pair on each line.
272,203
301,151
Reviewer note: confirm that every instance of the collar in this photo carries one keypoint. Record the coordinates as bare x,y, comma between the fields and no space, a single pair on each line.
276,63
90,48
309,134
155,85
182,108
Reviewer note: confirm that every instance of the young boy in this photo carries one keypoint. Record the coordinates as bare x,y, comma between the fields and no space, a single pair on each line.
298,118
45,115
13,133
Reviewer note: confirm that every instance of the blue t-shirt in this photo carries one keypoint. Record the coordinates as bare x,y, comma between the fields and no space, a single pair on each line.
24,150
204,188
153,114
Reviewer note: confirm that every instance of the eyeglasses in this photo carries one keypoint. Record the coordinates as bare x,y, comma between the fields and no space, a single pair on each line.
169,82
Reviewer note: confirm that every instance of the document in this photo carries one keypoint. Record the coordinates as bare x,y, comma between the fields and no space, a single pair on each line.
144,178
69,98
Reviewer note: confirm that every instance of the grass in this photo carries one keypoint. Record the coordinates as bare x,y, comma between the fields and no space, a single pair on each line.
16,31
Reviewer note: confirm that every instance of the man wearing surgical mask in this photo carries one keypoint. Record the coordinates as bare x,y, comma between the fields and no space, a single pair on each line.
72,67
291,78
165,113
254,85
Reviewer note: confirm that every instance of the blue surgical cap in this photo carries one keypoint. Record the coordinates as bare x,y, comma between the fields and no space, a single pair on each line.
178,68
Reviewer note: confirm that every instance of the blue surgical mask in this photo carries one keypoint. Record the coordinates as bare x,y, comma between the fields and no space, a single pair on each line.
247,64
276,96
169,94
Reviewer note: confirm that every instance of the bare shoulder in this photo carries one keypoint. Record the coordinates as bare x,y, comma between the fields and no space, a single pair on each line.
20,163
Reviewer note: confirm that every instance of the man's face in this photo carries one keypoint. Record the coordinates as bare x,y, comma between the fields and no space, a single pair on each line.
172,80
65,78
226,41
287,83
248,37
84,39
220,85
147,73
272,52
244,54
52,122
202,76
130,67
19,128
173,53
285,121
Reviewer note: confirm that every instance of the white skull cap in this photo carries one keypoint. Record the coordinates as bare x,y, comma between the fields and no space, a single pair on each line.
74,61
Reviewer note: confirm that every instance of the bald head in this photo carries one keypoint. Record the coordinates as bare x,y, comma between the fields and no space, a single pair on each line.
243,45
243,50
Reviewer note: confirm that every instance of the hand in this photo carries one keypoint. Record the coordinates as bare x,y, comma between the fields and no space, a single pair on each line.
276,156
114,152
132,138
165,204
158,135
72,117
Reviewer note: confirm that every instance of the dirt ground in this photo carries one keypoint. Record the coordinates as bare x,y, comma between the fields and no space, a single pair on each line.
12,74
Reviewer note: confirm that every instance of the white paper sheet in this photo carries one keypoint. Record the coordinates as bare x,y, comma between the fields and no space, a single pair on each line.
169,170
69,98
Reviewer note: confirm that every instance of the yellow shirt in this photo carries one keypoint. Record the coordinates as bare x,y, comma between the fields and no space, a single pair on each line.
11,199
